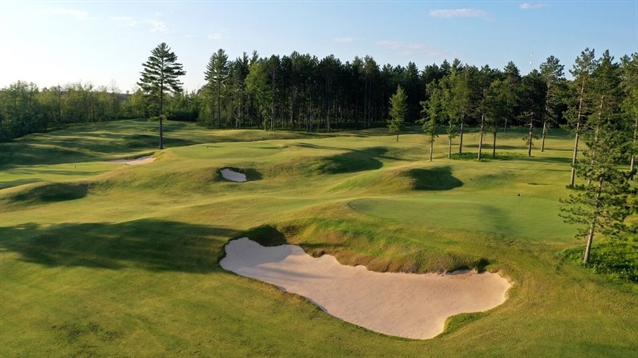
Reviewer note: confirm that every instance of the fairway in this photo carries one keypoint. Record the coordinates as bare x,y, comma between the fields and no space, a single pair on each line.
100,258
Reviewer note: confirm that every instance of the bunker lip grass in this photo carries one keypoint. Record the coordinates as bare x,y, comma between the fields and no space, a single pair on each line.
137,161
398,304
232,175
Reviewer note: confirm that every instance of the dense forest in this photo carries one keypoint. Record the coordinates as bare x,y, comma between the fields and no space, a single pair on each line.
302,92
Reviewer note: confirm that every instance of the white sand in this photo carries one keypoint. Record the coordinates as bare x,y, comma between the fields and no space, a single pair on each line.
141,160
397,304
232,175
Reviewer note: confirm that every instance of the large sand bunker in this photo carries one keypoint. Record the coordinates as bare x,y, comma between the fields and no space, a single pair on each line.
232,175
398,304
141,160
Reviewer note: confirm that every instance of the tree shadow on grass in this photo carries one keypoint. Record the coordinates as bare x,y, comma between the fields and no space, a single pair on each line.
350,162
48,193
71,149
269,235
154,245
439,178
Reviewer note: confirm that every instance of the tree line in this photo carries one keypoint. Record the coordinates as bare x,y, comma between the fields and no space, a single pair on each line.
302,92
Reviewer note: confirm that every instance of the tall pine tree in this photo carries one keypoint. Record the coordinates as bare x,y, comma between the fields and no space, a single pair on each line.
398,111
159,77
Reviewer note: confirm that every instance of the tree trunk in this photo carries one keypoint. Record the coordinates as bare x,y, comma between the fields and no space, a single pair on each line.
494,146
505,128
397,136
461,139
449,147
576,138
544,135
161,136
480,147
632,162
592,226
219,105
161,116
431,147
365,104
530,138
597,130
238,122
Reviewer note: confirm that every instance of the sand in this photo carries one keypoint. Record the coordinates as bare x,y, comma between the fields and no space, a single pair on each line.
398,304
232,175
141,160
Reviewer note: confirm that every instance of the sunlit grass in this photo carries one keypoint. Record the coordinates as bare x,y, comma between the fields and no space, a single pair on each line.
105,259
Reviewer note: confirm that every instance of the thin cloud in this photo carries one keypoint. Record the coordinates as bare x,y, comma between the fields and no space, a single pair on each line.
532,6
78,14
216,36
123,20
412,48
344,39
449,13
155,25
151,24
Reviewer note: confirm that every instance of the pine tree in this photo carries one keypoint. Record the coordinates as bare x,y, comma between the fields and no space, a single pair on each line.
534,91
552,72
398,110
485,78
577,115
630,104
160,75
216,75
452,111
433,111
498,108
513,80
602,204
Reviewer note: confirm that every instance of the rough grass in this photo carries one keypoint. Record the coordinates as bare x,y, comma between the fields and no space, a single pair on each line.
104,259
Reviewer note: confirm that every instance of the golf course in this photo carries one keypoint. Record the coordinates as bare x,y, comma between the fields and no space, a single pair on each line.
100,257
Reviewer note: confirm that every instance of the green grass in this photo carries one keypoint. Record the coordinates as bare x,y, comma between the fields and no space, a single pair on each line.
104,259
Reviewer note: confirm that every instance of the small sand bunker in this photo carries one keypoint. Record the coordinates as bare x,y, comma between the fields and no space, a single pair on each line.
398,304
232,175
141,160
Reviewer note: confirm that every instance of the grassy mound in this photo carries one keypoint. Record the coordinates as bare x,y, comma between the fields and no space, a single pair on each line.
354,240
348,162
46,193
401,180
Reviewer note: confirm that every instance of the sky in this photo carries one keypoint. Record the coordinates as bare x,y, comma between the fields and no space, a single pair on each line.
105,42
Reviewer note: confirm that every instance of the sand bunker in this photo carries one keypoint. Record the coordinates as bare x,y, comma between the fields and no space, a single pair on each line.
141,160
397,304
232,175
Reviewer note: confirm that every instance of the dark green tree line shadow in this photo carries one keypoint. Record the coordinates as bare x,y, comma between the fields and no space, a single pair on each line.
150,244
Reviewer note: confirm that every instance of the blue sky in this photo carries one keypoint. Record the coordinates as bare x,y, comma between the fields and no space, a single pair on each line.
106,42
